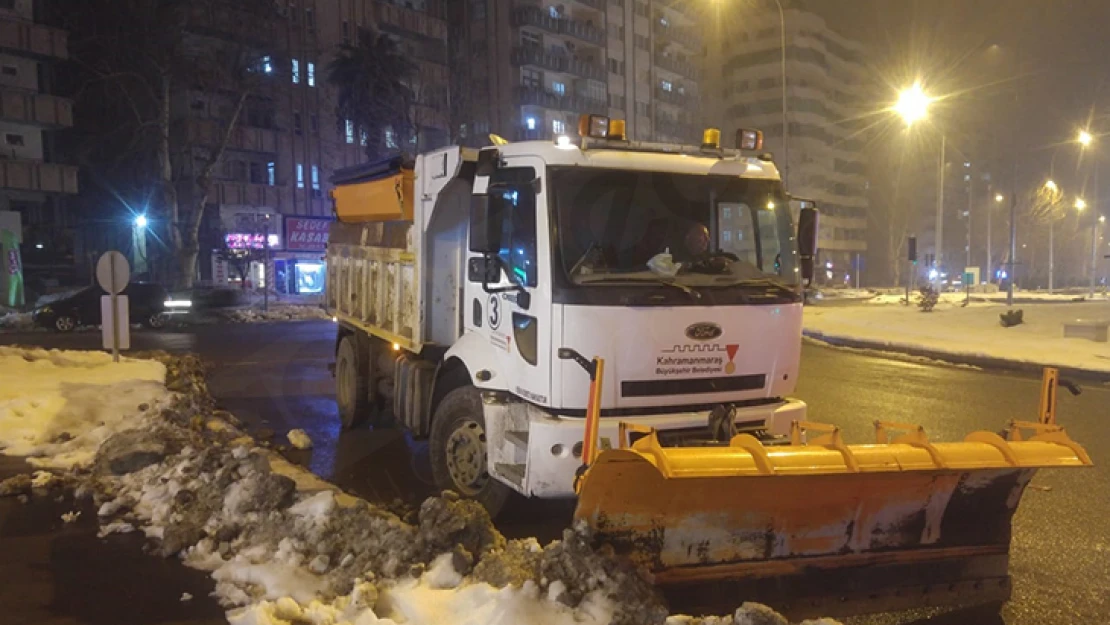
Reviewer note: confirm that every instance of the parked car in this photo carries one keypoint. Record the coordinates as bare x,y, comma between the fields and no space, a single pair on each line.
146,305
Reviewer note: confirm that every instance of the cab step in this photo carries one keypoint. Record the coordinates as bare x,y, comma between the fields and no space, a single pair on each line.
512,472
519,438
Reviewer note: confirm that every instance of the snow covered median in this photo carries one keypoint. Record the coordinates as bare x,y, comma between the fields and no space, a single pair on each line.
143,440
967,333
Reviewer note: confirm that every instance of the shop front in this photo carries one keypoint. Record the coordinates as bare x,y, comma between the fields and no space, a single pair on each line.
299,268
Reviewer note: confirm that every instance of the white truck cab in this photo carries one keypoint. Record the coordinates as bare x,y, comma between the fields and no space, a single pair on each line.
679,266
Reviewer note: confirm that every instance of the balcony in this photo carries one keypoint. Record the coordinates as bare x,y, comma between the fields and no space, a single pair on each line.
279,198
240,25
245,138
686,37
557,62
576,103
674,97
37,176
410,21
39,109
534,16
30,38
593,4
678,66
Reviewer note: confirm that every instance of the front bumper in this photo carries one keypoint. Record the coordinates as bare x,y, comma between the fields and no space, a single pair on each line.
554,443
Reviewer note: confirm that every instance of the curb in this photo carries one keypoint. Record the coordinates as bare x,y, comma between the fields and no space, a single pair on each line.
976,360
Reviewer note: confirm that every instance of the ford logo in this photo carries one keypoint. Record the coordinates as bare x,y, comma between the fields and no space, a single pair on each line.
703,331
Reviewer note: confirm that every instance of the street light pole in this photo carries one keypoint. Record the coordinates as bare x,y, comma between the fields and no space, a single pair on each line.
1013,244
940,210
1094,233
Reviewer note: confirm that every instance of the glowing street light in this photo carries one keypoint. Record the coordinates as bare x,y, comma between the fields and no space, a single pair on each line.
1085,138
998,197
1080,204
141,222
1050,185
913,104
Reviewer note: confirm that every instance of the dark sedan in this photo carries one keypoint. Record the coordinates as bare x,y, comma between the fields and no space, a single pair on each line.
146,305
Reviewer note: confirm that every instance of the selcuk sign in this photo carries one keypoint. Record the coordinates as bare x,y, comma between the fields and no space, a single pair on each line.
306,234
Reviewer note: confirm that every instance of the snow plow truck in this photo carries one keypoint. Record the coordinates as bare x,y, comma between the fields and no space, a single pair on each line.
620,321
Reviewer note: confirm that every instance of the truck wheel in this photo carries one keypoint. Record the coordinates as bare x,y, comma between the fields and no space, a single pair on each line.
458,450
351,385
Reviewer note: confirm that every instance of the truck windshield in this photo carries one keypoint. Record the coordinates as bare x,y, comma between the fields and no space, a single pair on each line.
620,225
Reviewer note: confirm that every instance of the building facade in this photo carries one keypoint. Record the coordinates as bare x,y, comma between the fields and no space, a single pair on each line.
826,161
33,182
531,67
272,185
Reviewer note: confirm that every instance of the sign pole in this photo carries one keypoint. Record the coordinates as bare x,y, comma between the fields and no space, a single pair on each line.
266,264
115,309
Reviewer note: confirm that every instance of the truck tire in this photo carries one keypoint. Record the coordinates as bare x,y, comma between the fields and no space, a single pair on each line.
351,384
458,450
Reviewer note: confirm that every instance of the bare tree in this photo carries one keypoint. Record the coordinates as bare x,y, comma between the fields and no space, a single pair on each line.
372,77
136,62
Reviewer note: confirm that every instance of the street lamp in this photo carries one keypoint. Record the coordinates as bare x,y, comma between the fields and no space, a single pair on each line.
1080,204
913,106
1085,138
141,222
1053,200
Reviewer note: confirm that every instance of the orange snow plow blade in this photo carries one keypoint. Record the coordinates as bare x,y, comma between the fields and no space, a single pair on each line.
824,527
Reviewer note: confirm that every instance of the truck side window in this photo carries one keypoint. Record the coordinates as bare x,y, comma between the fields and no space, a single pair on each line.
518,234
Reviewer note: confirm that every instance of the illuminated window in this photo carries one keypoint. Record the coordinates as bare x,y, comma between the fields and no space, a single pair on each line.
300,176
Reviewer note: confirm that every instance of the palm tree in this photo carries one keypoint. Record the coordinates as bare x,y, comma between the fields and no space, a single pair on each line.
372,78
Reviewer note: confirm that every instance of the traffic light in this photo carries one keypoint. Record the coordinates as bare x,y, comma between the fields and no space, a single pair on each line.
912,250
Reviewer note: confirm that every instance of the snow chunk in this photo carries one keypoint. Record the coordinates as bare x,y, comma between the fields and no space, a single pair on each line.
315,508
442,573
118,527
299,439
67,403
186,597
71,516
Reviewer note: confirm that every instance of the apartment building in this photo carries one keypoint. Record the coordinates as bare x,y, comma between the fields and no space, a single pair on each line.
33,183
536,65
826,160
272,186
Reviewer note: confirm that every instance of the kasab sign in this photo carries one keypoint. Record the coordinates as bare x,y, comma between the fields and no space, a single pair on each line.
308,234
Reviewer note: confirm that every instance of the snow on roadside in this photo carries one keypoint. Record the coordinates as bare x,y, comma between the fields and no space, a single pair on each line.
187,477
16,321
974,331
276,312
59,407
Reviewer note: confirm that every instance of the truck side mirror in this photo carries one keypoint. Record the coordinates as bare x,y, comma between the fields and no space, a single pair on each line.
807,241
485,224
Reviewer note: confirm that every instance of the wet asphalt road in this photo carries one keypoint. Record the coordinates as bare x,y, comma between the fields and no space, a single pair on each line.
275,377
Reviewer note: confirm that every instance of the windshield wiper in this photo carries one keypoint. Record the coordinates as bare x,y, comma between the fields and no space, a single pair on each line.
682,287
769,283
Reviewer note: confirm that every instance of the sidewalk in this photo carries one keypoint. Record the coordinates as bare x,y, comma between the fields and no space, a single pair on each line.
971,335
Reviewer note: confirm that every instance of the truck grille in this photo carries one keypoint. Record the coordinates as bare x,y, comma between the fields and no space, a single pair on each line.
655,388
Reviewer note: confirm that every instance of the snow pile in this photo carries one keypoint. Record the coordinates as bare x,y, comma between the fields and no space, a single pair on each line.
186,476
16,321
973,332
276,312
59,407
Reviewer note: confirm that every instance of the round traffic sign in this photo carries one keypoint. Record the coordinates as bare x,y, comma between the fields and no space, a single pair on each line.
113,272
